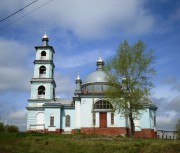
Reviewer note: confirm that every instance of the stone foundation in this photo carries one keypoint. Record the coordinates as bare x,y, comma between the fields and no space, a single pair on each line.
113,131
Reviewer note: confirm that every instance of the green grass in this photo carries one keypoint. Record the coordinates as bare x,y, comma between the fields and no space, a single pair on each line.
79,143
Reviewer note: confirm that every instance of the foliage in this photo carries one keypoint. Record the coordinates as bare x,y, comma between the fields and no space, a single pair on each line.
79,143
12,128
1,127
8,128
129,74
178,127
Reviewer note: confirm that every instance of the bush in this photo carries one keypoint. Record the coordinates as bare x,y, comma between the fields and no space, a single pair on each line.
1,127
12,128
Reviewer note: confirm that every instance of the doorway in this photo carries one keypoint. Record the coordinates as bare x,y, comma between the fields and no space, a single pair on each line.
103,119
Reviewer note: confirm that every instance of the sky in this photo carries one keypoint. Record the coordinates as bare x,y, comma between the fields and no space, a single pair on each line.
78,31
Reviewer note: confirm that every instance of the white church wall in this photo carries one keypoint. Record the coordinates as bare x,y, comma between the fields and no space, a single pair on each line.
32,119
35,104
48,70
145,119
119,120
152,119
48,91
86,112
48,54
71,113
77,114
56,112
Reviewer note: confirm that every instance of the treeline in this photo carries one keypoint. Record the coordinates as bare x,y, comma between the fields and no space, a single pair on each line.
8,128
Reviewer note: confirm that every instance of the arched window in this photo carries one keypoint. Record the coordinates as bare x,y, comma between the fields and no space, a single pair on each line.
42,72
40,121
103,104
68,121
43,55
41,92
52,120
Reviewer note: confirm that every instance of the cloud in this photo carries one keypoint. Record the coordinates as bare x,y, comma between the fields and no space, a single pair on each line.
18,118
166,122
83,58
170,80
12,108
93,19
65,85
173,82
168,110
14,57
165,24
174,105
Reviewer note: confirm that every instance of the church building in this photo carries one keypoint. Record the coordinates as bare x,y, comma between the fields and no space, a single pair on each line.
87,112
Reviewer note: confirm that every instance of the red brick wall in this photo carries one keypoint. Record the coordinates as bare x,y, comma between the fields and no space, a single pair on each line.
146,133
104,131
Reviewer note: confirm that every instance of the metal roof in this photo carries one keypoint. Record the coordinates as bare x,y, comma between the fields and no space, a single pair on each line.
65,101
97,76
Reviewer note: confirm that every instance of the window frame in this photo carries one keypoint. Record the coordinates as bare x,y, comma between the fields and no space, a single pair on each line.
112,118
43,56
52,120
68,121
103,104
41,91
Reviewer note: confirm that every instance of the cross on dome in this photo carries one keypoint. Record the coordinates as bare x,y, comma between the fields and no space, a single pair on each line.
100,57
78,77
45,35
45,39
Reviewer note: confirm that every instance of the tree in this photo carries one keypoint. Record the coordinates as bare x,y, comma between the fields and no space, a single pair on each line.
178,127
129,74
1,127
12,128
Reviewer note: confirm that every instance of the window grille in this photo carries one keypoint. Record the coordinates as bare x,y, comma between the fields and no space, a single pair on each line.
112,118
103,104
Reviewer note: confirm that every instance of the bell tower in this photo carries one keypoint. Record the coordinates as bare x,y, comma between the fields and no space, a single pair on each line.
43,84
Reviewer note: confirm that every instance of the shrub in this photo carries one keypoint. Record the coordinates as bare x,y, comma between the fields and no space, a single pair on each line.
12,128
1,127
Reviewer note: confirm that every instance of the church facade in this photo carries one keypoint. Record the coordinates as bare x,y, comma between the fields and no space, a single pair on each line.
87,112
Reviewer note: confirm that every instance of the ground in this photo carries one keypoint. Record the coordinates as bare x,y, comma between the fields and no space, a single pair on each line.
80,143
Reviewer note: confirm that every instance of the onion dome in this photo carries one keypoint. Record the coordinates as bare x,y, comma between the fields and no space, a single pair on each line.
96,81
45,39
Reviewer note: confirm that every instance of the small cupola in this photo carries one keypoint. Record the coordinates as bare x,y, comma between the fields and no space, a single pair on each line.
45,39
78,85
100,64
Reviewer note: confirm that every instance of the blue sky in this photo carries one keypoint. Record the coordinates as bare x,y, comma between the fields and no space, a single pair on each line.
78,30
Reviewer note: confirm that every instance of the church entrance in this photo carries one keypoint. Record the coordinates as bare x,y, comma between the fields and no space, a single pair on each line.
103,119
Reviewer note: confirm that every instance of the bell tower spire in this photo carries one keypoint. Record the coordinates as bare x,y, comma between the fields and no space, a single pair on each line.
45,39
100,63
43,84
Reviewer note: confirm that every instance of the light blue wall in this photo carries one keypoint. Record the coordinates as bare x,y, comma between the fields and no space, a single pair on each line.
86,112
56,112
49,68
119,121
48,93
31,117
86,115
145,119
48,51
71,113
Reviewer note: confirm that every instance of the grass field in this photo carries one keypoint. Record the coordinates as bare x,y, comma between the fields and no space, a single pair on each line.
51,143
